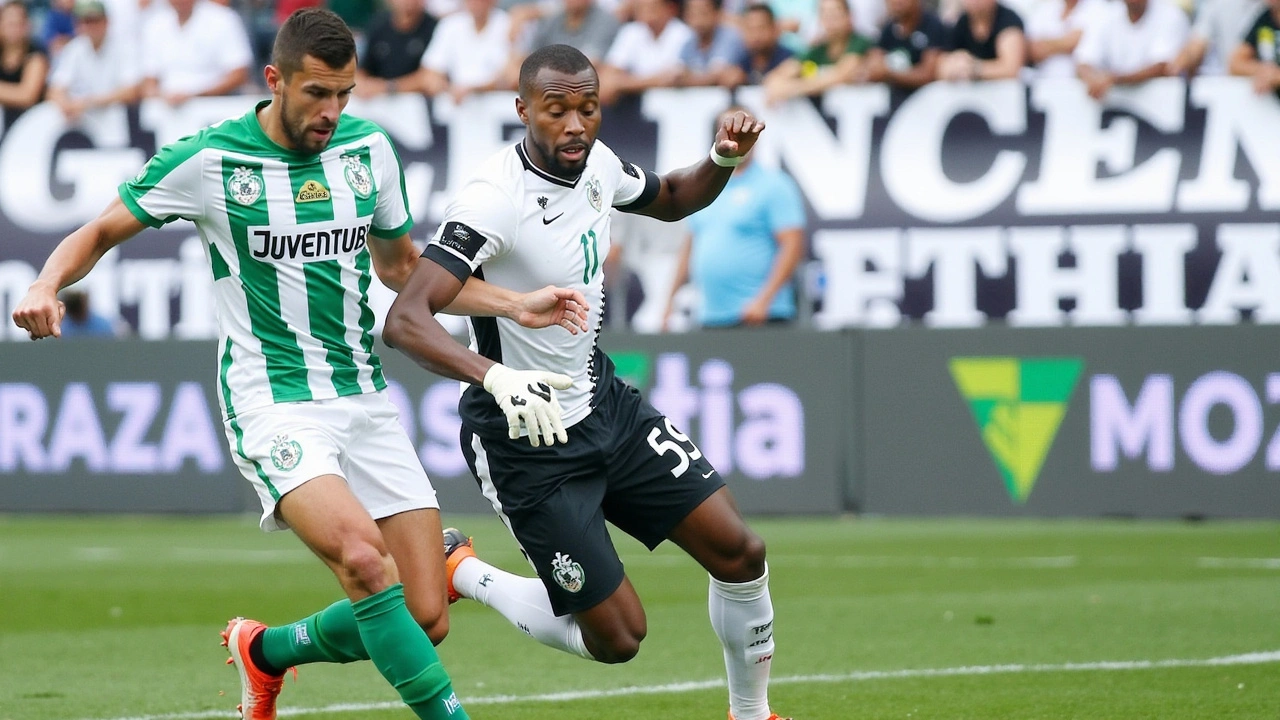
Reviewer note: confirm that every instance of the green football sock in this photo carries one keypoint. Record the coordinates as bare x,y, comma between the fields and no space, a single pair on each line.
403,653
330,635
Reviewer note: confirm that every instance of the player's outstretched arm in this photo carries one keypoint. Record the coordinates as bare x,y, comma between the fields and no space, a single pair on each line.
546,307
40,313
688,190
395,260
524,396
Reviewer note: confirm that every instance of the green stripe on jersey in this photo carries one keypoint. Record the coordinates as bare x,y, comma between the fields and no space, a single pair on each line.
365,207
220,267
366,318
235,426
325,293
286,368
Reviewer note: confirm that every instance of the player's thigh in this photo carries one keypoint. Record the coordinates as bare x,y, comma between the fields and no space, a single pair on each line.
550,498
279,448
716,535
414,541
330,520
657,475
385,474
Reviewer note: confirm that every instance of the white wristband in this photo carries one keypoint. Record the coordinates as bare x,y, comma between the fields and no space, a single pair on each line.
723,161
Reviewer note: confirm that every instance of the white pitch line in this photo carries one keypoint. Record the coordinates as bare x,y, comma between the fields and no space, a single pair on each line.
1239,563
1257,658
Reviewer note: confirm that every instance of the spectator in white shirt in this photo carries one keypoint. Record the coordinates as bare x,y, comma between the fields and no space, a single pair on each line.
646,53
197,48
96,69
1134,45
869,16
468,51
1219,27
1054,31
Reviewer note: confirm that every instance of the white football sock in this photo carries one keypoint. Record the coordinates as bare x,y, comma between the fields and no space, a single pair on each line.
742,616
522,601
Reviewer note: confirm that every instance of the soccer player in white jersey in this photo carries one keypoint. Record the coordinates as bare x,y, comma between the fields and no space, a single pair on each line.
295,202
535,213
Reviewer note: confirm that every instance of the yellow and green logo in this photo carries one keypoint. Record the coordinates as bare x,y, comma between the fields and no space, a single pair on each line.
1019,404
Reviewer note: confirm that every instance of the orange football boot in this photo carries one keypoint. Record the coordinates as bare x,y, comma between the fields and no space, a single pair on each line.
258,690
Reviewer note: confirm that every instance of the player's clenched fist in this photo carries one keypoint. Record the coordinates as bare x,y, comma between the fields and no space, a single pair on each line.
737,134
40,312
526,397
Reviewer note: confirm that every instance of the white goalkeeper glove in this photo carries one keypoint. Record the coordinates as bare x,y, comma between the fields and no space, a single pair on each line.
525,396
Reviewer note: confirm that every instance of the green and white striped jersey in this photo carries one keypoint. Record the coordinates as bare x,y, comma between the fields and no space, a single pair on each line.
286,235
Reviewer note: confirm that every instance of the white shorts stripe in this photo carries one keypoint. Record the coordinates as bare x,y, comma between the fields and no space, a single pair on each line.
490,491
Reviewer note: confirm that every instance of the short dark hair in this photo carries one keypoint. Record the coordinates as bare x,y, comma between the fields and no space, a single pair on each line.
316,32
560,58
761,8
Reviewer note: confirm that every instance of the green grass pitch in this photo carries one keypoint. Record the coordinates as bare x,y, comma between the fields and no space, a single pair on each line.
111,618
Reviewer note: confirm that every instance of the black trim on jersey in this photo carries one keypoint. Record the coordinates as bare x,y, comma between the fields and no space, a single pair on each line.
447,260
488,340
528,165
593,362
652,184
477,407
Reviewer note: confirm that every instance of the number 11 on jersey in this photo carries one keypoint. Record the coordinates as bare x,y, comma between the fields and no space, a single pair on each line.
590,256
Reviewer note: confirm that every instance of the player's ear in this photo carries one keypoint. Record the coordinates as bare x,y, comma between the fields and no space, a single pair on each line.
522,110
272,75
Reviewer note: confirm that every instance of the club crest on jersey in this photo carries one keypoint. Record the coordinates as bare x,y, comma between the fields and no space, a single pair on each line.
568,574
285,453
312,191
357,175
595,195
244,187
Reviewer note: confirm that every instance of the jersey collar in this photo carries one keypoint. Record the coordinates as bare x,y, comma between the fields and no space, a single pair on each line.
528,165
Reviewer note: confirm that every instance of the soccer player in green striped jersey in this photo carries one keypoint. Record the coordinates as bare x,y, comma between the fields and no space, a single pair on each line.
298,205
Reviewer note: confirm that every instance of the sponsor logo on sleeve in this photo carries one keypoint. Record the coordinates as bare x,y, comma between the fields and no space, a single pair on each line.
461,239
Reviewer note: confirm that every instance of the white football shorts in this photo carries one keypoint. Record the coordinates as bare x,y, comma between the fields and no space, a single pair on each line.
359,438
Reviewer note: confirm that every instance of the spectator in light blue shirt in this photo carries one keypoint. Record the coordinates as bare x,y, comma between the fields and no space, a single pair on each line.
80,320
710,57
743,250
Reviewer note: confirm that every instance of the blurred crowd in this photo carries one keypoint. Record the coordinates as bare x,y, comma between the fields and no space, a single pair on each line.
83,54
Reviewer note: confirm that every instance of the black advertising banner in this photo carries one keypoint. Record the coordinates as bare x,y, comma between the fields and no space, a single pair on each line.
1151,422
110,426
954,205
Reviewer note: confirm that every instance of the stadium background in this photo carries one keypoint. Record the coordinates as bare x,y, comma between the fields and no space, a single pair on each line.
1020,305
991,220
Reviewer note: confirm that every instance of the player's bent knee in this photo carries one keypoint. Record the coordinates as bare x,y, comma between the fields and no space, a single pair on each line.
615,644
364,567
619,649
753,555
437,629
746,562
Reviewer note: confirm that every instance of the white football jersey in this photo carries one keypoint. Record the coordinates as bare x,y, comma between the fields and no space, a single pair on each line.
521,228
